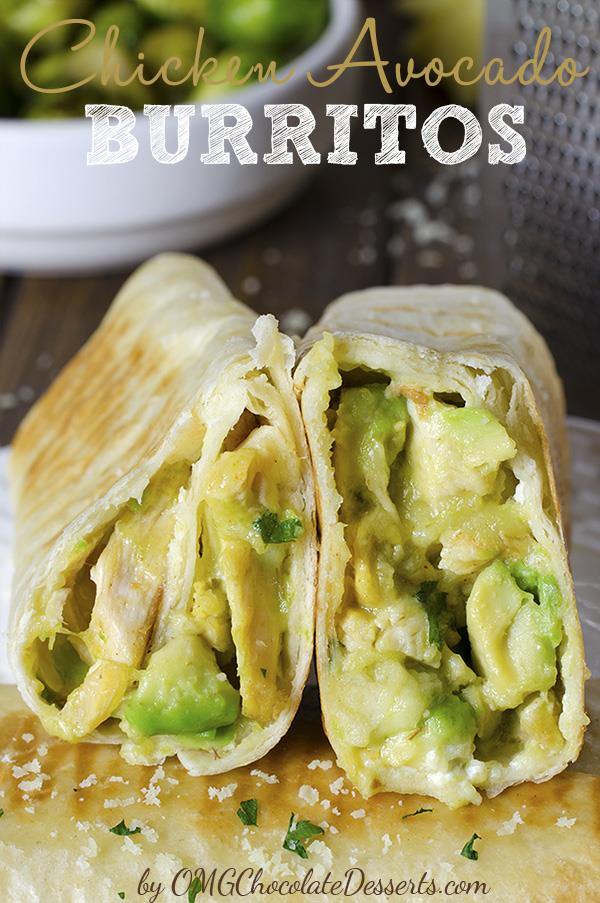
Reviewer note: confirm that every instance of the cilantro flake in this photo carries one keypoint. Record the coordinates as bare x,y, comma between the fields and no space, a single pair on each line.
433,603
274,530
297,833
123,831
248,812
121,894
467,851
194,889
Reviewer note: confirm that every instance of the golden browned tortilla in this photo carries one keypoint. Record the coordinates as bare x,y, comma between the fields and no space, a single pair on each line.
538,843
449,649
165,542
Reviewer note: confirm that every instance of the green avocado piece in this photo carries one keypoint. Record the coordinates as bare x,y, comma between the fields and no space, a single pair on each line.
455,451
544,589
276,23
513,638
369,434
451,723
181,692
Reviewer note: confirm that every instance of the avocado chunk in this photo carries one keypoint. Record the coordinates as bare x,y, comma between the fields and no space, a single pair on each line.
445,737
513,638
450,728
369,434
454,451
181,692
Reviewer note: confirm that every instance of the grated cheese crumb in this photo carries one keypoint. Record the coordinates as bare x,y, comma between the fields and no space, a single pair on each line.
42,750
310,795
333,829
32,767
150,794
117,779
267,778
89,781
508,827
115,803
222,793
323,764
358,813
34,784
130,847
336,786
564,822
326,804
387,842
27,738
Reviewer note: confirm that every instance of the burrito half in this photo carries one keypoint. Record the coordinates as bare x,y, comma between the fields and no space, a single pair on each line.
449,650
165,547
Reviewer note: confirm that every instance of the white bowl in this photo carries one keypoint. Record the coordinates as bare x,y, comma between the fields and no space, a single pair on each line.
57,214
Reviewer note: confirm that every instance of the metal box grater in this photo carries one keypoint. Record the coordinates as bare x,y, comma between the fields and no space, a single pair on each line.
541,233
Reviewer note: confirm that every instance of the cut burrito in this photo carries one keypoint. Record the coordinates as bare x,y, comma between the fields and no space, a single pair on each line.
449,650
165,545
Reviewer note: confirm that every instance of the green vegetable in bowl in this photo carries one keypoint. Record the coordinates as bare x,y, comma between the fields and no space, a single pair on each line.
65,68
25,18
271,22
192,10
256,31
229,75
167,41
129,19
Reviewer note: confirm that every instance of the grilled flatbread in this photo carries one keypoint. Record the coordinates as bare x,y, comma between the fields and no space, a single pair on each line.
449,650
538,843
165,544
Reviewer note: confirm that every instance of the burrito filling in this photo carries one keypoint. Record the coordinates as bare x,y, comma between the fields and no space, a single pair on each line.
194,674
443,650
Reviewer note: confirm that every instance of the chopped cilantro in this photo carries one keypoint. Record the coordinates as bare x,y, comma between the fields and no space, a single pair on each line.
433,603
296,835
121,894
194,889
123,830
134,505
273,530
248,812
82,545
1,812
467,851
416,812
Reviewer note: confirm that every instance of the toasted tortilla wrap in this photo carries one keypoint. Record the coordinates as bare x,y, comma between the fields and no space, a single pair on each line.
61,801
165,547
449,650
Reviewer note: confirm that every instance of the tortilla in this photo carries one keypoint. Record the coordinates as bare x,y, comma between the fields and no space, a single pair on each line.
165,543
539,843
449,651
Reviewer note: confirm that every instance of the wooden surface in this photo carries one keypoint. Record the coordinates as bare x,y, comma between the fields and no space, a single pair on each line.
353,227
